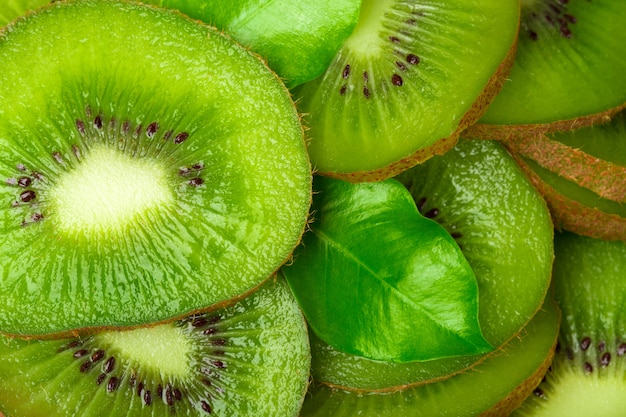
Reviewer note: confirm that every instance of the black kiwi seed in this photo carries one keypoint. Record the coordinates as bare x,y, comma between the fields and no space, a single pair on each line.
621,349
585,343
605,359
109,365
554,13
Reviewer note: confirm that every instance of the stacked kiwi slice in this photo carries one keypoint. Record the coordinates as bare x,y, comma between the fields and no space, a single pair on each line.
166,250
155,176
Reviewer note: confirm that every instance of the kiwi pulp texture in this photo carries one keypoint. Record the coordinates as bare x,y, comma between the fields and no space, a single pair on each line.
517,368
250,359
502,225
587,375
405,83
568,72
143,180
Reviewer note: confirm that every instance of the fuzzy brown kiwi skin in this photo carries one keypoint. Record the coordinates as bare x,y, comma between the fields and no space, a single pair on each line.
571,215
606,179
510,132
512,401
441,146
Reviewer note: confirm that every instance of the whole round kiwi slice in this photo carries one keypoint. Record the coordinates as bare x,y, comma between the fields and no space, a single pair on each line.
587,375
568,72
151,167
492,388
503,227
250,359
411,76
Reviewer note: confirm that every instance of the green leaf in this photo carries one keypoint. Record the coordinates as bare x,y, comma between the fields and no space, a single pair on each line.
377,279
298,38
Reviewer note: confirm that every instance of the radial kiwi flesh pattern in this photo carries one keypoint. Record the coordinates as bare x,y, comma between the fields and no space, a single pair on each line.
151,168
400,88
587,376
250,359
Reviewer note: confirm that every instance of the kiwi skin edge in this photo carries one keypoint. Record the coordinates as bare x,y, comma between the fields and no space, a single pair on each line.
509,132
571,215
441,146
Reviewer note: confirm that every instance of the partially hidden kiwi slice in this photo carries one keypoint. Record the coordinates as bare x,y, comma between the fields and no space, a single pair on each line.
492,388
503,227
568,72
582,175
411,76
297,37
151,167
588,372
250,359
12,9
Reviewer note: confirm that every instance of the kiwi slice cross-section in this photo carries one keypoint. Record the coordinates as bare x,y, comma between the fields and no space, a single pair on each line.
411,76
589,369
151,167
582,175
568,72
492,388
503,227
250,359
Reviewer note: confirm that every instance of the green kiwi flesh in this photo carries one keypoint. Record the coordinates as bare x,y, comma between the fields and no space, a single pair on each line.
502,225
491,388
569,67
297,37
591,157
250,359
576,208
403,83
587,374
142,179
12,9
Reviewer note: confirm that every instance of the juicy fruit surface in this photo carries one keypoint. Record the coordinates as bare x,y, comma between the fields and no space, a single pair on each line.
12,9
569,63
479,195
142,179
404,80
298,38
467,394
587,376
399,286
251,359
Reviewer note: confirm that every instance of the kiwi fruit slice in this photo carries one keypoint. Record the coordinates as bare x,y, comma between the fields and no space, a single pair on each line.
249,359
582,174
492,388
142,180
576,208
12,9
407,81
503,227
297,37
568,72
588,371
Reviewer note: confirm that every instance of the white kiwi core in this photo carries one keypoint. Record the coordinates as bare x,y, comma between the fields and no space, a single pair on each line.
107,191
163,349
365,39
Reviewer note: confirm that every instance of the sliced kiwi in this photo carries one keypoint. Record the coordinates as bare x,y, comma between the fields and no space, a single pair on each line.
151,167
492,388
587,375
568,72
576,208
297,37
250,359
411,76
12,9
502,225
